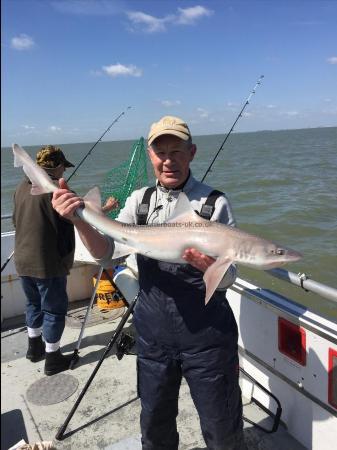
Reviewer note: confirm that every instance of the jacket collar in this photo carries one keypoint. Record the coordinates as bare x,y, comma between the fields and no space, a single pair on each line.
186,187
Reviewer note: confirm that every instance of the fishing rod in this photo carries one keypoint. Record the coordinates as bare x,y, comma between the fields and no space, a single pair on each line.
89,152
237,118
60,434
7,261
76,169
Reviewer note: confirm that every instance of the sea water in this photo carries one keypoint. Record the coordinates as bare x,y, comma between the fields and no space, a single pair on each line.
282,186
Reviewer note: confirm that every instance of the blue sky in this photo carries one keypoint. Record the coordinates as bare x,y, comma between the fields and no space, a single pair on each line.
70,67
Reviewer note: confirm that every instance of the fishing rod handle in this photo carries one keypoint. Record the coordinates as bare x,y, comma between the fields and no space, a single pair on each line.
7,261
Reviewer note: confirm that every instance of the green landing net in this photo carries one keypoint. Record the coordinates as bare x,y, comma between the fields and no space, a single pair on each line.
121,181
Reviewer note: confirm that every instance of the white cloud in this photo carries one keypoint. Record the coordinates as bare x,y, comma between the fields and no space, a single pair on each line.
203,113
95,73
332,60
188,16
291,113
330,112
73,132
232,106
145,22
150,24
271,106
28,127
22,42
247,114
118,70
168,103
54,129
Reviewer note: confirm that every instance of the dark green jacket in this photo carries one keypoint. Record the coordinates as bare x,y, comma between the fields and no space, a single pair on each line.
44,241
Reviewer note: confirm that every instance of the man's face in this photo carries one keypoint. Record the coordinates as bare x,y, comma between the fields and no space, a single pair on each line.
57,172
171,157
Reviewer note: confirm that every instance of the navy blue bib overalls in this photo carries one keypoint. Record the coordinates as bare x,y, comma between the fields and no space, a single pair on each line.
179,336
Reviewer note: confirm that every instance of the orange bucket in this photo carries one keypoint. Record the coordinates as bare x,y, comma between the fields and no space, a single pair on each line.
107,295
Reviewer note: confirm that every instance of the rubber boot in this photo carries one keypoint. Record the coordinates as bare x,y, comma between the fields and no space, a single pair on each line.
56,362
36,349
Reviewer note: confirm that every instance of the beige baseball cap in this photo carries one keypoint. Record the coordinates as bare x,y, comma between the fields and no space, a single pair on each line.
169,125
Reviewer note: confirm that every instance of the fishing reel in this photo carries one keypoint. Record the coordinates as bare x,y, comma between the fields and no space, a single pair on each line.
124,345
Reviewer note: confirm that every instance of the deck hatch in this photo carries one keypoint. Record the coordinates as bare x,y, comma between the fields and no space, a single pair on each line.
332,371
292,341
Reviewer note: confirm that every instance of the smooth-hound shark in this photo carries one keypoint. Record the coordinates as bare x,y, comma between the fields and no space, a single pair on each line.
167,242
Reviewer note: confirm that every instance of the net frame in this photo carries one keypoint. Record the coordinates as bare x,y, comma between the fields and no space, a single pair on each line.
122,180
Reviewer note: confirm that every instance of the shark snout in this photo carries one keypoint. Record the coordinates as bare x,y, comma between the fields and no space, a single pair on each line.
293,255
279,257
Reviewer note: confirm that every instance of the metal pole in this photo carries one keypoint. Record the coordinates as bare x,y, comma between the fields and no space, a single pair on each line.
85,157
59,435
303,281
78,345
237,118
75,356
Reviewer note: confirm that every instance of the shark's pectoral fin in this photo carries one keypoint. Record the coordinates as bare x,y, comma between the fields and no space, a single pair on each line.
214,275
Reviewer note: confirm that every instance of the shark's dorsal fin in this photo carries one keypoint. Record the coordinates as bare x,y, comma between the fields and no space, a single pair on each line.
183,211
93,199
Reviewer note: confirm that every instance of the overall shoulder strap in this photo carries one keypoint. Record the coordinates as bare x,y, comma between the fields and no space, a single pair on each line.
143,208
208,207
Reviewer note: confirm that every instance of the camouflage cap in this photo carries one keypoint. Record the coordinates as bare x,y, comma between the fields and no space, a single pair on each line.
50,157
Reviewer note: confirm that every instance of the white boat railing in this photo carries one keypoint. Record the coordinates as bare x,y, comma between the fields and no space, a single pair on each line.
304,282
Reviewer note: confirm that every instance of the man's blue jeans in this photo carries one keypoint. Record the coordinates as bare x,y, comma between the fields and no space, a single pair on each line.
46,306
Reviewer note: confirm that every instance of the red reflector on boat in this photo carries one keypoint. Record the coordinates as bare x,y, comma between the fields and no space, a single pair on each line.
332,373
292,341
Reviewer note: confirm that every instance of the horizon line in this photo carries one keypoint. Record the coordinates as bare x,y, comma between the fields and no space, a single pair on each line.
194,136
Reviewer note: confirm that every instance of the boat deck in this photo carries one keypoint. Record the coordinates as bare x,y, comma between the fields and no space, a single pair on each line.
108,416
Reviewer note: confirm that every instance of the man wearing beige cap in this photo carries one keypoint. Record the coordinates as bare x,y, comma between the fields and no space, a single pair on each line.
44,254
177,334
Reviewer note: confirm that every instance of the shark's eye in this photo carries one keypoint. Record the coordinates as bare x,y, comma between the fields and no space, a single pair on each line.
280,251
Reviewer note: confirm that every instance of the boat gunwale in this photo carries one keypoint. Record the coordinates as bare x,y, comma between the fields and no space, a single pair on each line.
295,311
246,353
